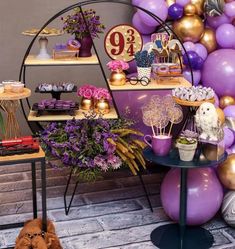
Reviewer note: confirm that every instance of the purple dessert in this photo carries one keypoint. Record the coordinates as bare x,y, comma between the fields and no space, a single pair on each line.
58,106
41,106
66,106
51,106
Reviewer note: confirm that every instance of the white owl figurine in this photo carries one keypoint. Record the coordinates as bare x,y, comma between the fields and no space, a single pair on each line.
207,122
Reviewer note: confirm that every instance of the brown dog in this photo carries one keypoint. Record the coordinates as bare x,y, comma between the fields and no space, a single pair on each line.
32,236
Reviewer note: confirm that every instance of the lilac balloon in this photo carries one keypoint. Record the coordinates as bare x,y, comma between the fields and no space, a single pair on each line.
228,137
196,76
175,11
225,35
229,9
136,2
219,72
216,21
200,50
182,2
189,46
158,8
140,26
204,190
229,111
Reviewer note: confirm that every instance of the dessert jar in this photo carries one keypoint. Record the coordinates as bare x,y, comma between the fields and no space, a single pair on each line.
1,88
17,87
8,85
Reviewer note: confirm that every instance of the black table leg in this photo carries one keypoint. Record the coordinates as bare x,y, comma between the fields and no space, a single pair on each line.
44,204
34,190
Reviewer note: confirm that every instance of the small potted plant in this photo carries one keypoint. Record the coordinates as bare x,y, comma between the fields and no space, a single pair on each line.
84,27
144,61
118,77
87,94
102,98
187,145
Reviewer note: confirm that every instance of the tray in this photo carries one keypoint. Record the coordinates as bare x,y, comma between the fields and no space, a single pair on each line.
71,111
192,103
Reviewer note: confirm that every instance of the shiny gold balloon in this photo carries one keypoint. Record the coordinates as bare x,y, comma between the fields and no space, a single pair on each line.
208,39
189,10
226,101
170,2
189,28
226,172
212,152
199,4
220,115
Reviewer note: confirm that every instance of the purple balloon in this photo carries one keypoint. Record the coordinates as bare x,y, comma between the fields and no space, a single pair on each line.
225,35
175,11
229,9
219,72
229,111
182,2
140,26
200,50
158,8
231,150
216,104
196,76
228,137
136,2
199,63
204,190
216,21
191,59
189,46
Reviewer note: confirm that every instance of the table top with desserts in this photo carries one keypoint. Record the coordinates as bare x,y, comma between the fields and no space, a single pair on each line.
9,95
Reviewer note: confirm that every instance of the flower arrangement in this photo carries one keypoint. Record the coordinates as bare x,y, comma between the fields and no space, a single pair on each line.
144,59
75,24
117,65
86,91
102,93
91,146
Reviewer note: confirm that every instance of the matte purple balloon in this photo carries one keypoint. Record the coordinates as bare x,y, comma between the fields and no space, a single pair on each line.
140,26
228,137
158,8
175,11
229,111
136,2
216,21
199,63
182,2
200,50
196,76
229,9
205,195
225,35
192,58
219,72
189,46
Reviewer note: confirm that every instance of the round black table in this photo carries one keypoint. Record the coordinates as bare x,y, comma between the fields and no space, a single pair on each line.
173,236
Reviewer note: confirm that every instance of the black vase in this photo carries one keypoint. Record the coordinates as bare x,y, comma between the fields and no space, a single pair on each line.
86,45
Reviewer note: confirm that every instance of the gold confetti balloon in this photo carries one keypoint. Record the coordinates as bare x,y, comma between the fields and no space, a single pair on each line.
208,39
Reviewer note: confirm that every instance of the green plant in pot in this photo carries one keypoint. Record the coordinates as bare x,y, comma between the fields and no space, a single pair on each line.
187,145
84,26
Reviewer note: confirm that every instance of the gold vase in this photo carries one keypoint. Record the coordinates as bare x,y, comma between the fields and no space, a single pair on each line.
87,104
102,106
117,78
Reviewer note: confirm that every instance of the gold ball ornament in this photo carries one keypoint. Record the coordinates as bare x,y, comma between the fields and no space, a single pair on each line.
226,101
189,10
208,39
226,172
221,115
189,28
170,2
199,5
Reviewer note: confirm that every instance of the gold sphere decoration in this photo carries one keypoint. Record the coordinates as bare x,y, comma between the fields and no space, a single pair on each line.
226,172
226,101
199,5
189,28
189,10
220,115
212,151
170,2
208,39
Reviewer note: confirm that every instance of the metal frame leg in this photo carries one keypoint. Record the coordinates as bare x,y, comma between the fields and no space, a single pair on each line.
44,198
34,190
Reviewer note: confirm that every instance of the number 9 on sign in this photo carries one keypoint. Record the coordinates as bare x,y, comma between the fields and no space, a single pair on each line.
122,42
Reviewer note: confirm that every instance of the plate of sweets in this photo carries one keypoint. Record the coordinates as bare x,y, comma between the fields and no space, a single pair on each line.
167,70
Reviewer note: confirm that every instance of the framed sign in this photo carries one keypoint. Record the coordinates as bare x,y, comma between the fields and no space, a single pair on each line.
122,42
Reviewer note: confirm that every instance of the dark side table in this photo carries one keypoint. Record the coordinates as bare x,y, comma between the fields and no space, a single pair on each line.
173,236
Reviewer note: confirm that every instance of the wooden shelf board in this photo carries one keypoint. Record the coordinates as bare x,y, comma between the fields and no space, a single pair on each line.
31,60
79,115
163,84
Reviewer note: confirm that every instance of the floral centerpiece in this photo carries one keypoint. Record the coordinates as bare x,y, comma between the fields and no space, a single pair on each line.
84,26
102,98
118,77
87,93
91,146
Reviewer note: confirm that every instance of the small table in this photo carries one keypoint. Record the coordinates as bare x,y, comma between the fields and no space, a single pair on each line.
30,158
174,236
9,102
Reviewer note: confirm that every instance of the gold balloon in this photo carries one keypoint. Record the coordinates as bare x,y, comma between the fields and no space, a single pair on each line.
211,151
226,172
220,115
189,10
208,39
189,28
226,101
199,4
170,2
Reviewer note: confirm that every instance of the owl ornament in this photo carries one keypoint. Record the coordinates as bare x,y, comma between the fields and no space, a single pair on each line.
208,124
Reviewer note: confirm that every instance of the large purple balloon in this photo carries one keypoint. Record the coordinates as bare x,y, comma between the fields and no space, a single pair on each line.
216,21
219,72
136,2
200,50
225,35
175,11
156,7
228,137
140,26
196,76
205,195
229,111
229,9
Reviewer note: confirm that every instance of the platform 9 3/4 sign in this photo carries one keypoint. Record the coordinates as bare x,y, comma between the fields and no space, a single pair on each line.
122,42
